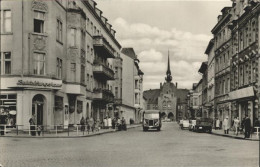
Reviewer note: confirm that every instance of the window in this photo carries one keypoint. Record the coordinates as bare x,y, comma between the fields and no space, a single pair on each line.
39,64
73,71
82,74
91,28
83,37
116,92
116,72
7,21
59,68
59,31
5,63
72,37
39,22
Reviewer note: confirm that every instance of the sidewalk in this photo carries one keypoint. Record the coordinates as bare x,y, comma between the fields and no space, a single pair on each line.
65,134
231,134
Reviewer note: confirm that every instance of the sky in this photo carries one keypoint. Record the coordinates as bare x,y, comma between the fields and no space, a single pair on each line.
153,27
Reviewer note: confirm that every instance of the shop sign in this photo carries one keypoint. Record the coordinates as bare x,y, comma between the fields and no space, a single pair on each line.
38,83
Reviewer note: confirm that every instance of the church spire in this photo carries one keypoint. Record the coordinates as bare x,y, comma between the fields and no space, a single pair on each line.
168,77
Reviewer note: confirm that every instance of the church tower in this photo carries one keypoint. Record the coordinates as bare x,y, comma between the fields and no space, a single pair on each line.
168,77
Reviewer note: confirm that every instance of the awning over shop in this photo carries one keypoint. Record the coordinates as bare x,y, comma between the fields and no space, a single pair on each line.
242,93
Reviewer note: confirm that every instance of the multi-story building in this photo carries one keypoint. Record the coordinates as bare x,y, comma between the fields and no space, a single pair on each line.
245,60
132,104
56,60
206,107
211,78
223,49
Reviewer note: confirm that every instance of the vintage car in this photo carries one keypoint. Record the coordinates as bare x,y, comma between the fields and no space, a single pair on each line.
192,125
152,120
185,124
203,125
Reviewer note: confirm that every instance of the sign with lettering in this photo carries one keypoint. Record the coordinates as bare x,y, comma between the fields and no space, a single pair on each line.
38,83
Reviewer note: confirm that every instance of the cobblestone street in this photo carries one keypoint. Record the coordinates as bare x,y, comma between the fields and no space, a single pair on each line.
169,147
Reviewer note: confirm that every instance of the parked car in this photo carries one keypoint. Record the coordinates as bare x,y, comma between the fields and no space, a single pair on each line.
204,125
185,124
192,125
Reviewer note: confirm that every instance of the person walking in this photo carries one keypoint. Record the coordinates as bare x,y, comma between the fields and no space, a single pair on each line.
236,125
247,126
32,122
109,122
87,124
82,123
217,124
226,125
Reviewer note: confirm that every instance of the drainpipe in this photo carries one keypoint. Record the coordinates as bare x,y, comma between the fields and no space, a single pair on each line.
22,42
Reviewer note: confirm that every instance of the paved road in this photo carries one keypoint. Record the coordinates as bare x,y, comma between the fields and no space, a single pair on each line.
169,147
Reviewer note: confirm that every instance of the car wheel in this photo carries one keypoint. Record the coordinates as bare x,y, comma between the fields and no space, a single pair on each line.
158,129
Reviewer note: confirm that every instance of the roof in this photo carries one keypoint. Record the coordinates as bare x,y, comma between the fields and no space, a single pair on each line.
152,95
210,46
203,67
129,52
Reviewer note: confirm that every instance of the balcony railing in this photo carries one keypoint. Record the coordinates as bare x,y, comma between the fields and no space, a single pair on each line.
103,72
118,101
102,47
104,95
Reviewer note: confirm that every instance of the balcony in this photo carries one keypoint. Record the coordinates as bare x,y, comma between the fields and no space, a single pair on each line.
118,101
102,47
103,95
103,72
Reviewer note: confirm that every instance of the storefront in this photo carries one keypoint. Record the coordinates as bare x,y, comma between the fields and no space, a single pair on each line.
243,103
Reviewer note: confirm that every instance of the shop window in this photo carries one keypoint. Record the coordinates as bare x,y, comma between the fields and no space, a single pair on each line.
38,21
8,107
58,103
5,63
79,106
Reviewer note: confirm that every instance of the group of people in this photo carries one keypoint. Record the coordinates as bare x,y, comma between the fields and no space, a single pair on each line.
244,126
34,127
107,123
90,123
118,123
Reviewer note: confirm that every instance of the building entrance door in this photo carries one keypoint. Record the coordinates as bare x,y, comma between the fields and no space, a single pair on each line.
37,108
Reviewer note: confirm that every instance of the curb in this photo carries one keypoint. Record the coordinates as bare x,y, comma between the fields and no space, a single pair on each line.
89,135
234,137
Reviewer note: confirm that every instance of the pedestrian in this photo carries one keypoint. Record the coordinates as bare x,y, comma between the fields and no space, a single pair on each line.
87,124
32,122
243,124
39,130
82,123
247,125
236,125
114,123
2,122
226,125
91,124
109,122
217,124
105,123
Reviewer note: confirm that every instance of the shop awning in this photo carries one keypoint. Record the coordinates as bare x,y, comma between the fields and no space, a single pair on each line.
242,93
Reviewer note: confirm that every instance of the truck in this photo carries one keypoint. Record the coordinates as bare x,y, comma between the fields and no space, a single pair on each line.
203,125
152,120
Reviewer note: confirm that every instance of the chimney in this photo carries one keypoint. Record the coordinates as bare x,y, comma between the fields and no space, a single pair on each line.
176,84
